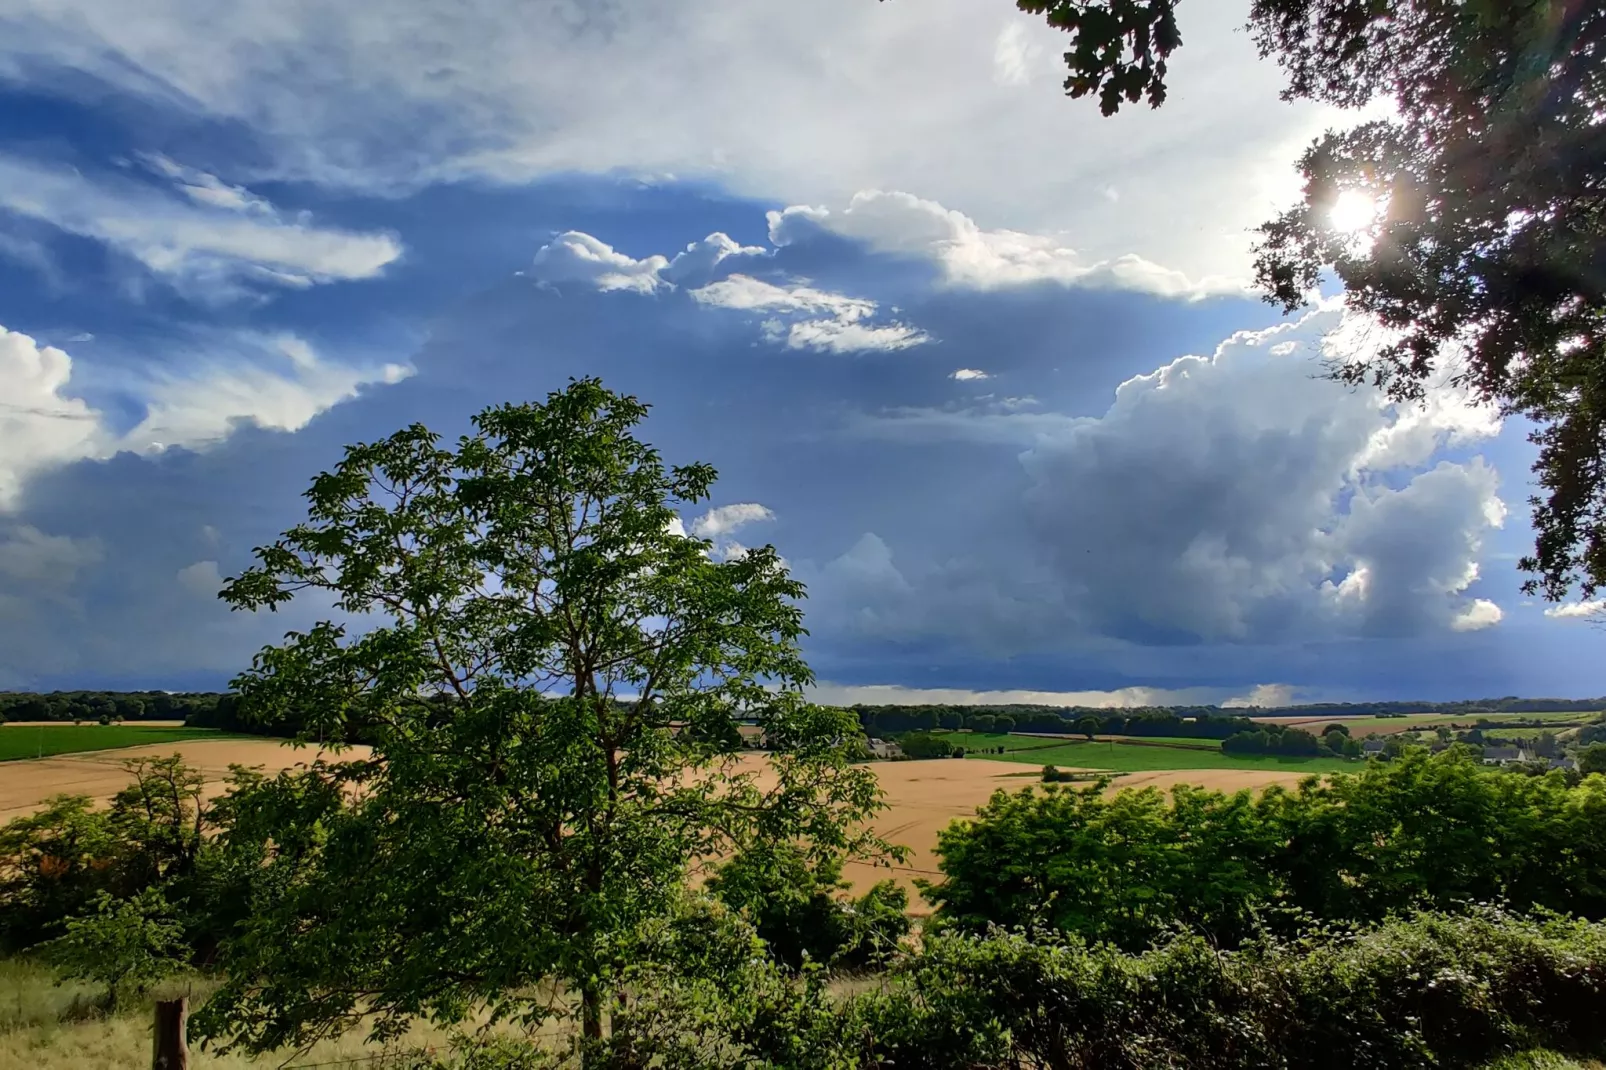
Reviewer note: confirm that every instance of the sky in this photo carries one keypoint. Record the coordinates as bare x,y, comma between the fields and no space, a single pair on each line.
987,368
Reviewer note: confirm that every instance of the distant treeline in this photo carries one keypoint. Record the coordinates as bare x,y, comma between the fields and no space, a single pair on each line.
221,710
1208,722
1202,722
197,709
115,705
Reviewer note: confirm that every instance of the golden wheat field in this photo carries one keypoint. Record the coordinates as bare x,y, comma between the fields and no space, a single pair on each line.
922,797
26,784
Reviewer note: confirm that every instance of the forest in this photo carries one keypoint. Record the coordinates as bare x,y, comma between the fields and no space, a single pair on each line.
202,709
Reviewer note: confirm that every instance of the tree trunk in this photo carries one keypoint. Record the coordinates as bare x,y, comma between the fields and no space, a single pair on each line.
591,1014
170,1048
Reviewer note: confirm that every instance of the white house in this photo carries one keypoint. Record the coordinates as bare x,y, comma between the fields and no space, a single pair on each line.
883,748
1505,755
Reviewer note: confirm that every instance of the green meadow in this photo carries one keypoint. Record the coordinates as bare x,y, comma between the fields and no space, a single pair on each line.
42,741
1136,756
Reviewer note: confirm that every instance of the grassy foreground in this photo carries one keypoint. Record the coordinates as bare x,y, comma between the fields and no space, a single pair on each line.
1134,756
46,1026
50,1026
42,741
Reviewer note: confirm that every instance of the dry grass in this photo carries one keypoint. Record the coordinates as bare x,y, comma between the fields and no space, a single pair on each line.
44,1026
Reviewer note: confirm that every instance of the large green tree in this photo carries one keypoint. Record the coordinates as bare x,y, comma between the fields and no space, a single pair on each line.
551,674
1476,214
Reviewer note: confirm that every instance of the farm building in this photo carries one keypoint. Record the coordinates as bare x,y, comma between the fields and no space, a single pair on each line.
882,748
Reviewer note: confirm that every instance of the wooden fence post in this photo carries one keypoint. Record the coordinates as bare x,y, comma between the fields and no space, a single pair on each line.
170,1049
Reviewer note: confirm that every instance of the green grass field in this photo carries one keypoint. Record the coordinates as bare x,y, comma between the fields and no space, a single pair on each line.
1133,757
35,741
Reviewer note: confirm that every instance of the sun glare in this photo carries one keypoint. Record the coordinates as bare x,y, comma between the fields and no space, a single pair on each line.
1354,211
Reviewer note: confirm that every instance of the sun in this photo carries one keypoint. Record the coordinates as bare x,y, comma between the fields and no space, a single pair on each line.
1353,212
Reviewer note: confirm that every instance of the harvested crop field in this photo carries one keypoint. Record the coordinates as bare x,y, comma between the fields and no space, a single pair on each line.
27,783
922,796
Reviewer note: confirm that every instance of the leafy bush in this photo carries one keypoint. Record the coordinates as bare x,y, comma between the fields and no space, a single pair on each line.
1435,831
125,945
55,863
925,745
1428,990
1053,774
794,905
1122,868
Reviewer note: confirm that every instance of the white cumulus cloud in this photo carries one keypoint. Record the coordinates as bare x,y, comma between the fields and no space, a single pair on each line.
798,316
718,524
577,257
1588,609
201,579
1237,497
1479,614
969,256
728,518
818,320
574,256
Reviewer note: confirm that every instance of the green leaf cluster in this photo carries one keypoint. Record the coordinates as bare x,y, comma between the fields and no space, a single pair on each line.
798,909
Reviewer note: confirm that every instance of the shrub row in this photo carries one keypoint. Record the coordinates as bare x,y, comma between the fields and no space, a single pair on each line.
1426,990
1422,831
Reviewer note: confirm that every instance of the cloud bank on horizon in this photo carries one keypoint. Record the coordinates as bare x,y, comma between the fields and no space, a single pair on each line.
982,365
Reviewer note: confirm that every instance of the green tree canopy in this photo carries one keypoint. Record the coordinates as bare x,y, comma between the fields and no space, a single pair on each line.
551,674
1480,239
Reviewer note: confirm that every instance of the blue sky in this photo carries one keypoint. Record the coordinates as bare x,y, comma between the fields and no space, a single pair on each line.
984,366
